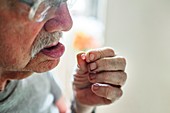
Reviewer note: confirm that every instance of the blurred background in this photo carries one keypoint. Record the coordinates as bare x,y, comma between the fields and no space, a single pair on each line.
138,30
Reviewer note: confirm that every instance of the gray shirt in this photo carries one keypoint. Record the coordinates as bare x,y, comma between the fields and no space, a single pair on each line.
35,94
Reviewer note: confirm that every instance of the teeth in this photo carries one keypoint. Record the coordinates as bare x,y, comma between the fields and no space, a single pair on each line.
55,43
56,37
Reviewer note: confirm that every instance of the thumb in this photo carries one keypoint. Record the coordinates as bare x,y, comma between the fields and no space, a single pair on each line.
82,64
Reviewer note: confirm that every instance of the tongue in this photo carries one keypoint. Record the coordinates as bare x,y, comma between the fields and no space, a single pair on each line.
54,51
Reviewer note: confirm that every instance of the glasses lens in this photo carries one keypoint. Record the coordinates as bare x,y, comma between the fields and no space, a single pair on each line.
43,9
71,3
39,10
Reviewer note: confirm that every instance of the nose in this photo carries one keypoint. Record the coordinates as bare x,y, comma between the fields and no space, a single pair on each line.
61,21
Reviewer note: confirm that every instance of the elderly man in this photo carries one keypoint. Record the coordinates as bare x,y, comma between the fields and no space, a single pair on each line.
30,31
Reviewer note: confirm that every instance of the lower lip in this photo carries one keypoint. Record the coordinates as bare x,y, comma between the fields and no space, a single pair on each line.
56,52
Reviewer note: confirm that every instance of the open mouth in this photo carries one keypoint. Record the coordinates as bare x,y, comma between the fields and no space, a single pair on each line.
54,51
52,46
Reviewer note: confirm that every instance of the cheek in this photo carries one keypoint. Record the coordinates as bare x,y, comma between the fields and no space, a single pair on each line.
16,38
12,57
15,48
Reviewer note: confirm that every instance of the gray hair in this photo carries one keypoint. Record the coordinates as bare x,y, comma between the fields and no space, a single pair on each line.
43,40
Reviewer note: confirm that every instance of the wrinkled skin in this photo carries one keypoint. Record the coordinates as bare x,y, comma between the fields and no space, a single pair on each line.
17,36
99,77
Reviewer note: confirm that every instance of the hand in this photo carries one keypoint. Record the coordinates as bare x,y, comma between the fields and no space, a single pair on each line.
99,77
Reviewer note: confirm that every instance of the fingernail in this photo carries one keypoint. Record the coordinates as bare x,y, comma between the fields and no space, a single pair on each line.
93,66
92,76
96,86
91,57
83,56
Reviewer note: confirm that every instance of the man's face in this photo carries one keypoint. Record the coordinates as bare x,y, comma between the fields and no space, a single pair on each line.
27,45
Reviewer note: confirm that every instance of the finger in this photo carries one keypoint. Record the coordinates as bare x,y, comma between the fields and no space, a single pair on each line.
108,64
107,91
114,78
87,97
96,54
82,65
81,81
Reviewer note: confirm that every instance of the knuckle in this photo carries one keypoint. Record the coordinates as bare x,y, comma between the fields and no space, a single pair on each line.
101,53
113,94
121,59
123,77
111,51
124,61
119,63
119,93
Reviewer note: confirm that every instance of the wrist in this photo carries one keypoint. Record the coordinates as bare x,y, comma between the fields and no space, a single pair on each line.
77,107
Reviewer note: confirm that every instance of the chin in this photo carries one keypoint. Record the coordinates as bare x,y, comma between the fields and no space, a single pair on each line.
47,66
43,66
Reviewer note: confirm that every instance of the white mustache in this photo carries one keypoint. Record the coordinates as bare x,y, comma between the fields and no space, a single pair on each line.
44,39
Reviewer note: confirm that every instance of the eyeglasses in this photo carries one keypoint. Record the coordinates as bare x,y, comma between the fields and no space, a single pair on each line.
43,9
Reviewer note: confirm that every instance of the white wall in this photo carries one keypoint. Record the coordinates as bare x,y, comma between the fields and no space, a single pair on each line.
140,31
